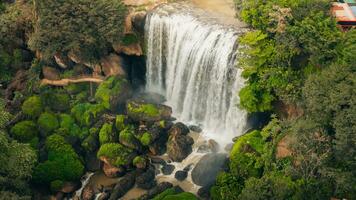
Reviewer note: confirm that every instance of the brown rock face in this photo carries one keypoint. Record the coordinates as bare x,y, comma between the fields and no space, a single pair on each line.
282,148
112,65
131,50
179,145
69,187
88,193
110,170
50,73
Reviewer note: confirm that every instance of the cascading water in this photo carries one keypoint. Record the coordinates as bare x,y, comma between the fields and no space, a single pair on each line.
191,60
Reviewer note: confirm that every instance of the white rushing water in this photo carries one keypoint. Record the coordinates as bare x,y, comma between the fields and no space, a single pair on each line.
191,60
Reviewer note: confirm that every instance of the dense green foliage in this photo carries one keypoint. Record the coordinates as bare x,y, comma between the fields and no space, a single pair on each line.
32,106
107,135
297,55
86,29
48,122
292,40
63,163
24,131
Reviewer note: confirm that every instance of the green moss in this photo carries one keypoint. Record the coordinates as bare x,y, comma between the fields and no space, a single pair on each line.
111,87
181,196
60,102
246,154
63,163
147,109
32,106
106,134
138,160
162,124
120,122
146,139
171,194
56,185
48,122
129,39
66,121
24,131
117,154
85,114
90,144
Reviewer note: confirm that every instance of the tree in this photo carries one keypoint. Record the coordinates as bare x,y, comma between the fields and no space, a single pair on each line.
84,27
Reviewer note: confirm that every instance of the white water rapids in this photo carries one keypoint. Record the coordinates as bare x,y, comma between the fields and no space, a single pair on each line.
191,60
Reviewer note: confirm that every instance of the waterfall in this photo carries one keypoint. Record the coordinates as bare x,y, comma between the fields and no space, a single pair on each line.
191,60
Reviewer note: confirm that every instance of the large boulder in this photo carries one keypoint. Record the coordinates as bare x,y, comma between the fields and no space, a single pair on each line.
124,185
146,180
112,65
179,144
113,93
211,165
142,111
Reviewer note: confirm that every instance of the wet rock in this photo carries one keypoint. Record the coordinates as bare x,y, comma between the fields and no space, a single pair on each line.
196,129
181,175
112,171
168,169
157,190
88,193
179,144
213,145
92,163
229,147
146,180
147,112
69,187
158,160
188,168
204,192
210,164
50,73
124,185
179,128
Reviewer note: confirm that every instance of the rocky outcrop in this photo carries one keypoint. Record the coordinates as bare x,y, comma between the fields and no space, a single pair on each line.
146,180
124,185
181,175
63,61
110,170
138,21
133,49
168,169
283,149
211,165
112,65
50,73
161,187
141,111
179,144
66,82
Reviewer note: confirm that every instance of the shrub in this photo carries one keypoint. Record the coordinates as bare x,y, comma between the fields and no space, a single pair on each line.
32,106
138,160
117,154
85,114
227,186
48,122
24,131
106,134
63,163
245,156
90,144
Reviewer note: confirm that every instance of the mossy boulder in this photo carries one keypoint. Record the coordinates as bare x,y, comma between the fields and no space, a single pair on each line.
86,114
117,154
140,162
91,143
48,122
127,138
107,135
141,111
121,122
113,93
175,194
245,157
24,131
32,107
146,139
